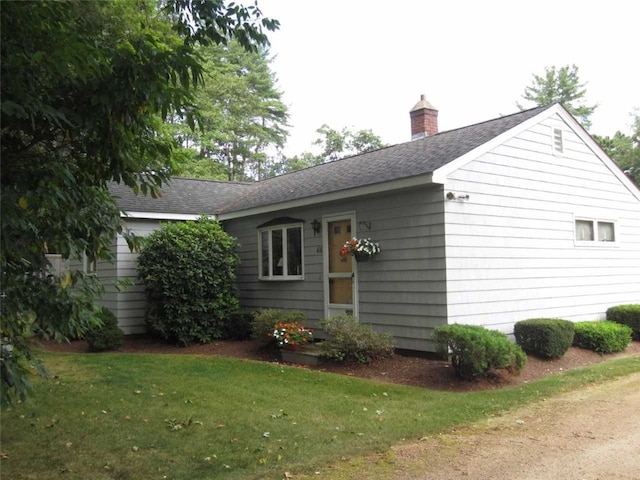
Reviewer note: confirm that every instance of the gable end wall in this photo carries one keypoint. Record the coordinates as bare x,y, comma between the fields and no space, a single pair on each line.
511,253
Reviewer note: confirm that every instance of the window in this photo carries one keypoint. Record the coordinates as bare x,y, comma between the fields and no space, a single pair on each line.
280,252
558,142
606,232
595,231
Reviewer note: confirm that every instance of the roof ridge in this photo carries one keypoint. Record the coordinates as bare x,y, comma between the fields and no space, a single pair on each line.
210,180
496,119
502,117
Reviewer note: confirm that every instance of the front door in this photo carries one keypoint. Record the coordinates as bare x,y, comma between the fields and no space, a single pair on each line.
340,282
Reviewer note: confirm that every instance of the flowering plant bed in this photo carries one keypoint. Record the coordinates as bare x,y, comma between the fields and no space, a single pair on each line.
361,248
291,335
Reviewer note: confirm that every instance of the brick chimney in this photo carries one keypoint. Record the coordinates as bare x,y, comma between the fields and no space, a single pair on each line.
424,119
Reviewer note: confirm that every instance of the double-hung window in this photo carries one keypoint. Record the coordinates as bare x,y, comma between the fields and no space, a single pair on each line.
280,251
596,231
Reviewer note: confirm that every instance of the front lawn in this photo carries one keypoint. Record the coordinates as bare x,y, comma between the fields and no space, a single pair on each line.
132,416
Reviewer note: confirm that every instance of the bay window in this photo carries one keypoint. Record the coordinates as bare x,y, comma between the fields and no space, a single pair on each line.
280,252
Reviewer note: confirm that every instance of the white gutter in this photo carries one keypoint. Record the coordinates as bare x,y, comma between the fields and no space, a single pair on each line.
166,216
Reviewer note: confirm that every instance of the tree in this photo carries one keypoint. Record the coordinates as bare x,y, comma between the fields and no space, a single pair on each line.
335,145
625,150
563,86
241,116
344,143
85,89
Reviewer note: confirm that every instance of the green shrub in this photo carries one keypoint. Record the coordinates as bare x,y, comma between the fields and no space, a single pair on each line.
264,321
107,336
238,325
189,272
628,315
349,340
602,337
544,337
477,351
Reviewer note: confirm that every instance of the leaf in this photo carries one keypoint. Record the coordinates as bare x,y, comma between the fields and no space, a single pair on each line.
66,281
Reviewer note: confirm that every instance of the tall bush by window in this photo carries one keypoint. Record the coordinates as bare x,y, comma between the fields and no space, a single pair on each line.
189,272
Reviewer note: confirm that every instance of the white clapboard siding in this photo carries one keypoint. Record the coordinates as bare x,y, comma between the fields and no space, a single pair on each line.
128,304
510,247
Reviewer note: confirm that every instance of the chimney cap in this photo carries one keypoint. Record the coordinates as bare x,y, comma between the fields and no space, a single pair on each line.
422,104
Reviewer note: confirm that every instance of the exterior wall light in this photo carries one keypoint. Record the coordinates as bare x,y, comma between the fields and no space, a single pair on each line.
315,226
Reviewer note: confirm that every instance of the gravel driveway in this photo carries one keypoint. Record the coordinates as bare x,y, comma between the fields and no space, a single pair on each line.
589,434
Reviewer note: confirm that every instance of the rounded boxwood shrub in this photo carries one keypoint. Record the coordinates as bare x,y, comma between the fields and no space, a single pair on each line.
265,320
602,337
476,351
544,337
107,336
189,272
351,341
628,315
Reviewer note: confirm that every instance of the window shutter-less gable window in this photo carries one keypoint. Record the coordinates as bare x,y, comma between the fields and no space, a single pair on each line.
593,232
606,232
584,230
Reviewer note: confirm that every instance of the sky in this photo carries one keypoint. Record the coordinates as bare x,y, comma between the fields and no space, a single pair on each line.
363,64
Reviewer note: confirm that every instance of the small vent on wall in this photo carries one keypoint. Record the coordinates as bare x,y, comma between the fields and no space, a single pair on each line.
558,143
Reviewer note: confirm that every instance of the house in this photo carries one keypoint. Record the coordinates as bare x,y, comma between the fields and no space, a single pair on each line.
517,217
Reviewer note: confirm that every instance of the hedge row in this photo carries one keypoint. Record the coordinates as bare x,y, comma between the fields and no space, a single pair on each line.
628,315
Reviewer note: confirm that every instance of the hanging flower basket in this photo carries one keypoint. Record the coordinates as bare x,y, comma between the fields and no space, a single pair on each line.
361,257
362,249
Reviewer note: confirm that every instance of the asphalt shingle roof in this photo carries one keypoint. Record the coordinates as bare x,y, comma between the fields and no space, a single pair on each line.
417,157
404,160
181,196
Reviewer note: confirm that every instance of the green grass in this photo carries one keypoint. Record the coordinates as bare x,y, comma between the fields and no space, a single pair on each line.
118,416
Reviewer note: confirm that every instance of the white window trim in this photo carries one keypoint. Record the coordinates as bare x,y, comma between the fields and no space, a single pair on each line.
595,242
284,227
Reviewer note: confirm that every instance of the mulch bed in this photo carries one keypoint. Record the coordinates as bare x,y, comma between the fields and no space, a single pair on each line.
403,368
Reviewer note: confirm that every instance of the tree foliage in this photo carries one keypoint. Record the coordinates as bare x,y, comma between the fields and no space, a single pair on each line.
334,144
85,89
625,150
241,116
189,272
561,85
339,144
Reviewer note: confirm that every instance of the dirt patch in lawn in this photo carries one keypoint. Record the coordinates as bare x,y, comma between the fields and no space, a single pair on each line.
402,368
